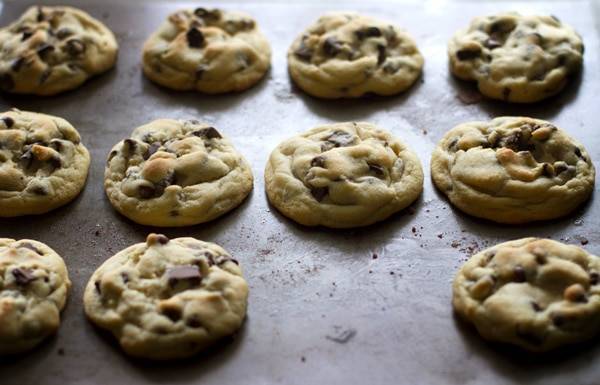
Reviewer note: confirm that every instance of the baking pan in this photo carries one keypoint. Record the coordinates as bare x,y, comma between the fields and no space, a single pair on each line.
362,306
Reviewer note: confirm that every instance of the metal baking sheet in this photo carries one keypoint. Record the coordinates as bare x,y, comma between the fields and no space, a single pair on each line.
362,306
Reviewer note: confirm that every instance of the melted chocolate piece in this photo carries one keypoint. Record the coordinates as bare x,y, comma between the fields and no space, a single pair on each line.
112,154
208,133
44,50
519,274
332,46
376,169
63,33
184,273
75,47
125,277
594,278
23,276
536,306
304,52
341,139
151,150
195,38
31,247
319,193
146,192
381,54
129,146
8,121
466,54
97,286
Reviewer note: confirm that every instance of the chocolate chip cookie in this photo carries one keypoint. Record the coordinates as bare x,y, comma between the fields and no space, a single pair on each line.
51,49
208,50
176,173
516,58
342,175
538,294
512,170
166,299
43,164
33,290
346,55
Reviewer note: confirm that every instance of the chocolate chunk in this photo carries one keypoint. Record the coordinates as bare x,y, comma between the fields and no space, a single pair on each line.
501,26
578,153
44,50
63,33
594,278
184,273
75,47
17,64
97,286
23,276
381,54
536,306
193,321
40,14
162,239
376,169
55,162
6,82
8,121
560,167
146,192
129,146
26,159
208,133
39,190
519,274
332,46
367,32
195,38
318,161
125,277
112,154
319,193
172,313
548,170
212,15
341,139
512,141
467,54
151,150
304,52
26,35
453,145
31,247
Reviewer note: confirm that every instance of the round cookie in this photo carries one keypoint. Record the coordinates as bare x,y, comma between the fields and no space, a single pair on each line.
516,58
166,299
43,164
538,294
176,173
211,51
51,49
342,175
33,290
512,170
346,55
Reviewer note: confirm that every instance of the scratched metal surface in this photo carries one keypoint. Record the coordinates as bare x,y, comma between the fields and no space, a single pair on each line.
322,309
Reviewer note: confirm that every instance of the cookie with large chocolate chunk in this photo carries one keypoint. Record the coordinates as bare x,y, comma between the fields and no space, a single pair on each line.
342,175
512,170
43,164
176,173
166,299
516,58
207,50
538,294
347,55
51,49
34,284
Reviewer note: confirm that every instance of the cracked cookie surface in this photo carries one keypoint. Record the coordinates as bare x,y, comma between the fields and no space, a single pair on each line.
166,299
34,284
176,173
538,294
43,164
346,55
512,170
208,50
51,49
342,175
516,58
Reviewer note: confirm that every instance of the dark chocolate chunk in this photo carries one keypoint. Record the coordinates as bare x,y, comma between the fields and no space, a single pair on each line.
332,46
151,150
55,162
594,278
112,154
304,52
23,276
341,139
536,306
26,35
467,54
548,170
501,26
75,47
203,13
31,247
8,121
44,50
318,161
208,133
578,153
319,193
40,14
125,277
17,64
162,239
376,169
367,32
6,82
63,33
512,141
519,274
195,38
129,146
381,54
184,273
146,192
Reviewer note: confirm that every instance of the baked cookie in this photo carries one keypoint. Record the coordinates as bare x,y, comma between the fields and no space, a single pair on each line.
208,50
346,55
342,175
51,49
176,173
535,293
516,58
33,291
43,164
512,170
166,299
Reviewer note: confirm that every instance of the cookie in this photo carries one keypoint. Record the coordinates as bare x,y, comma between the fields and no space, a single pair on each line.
43,164
34,284
538,294
516,58
166,299
176,173
342,175
51,49
347,55
512,170
207,50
